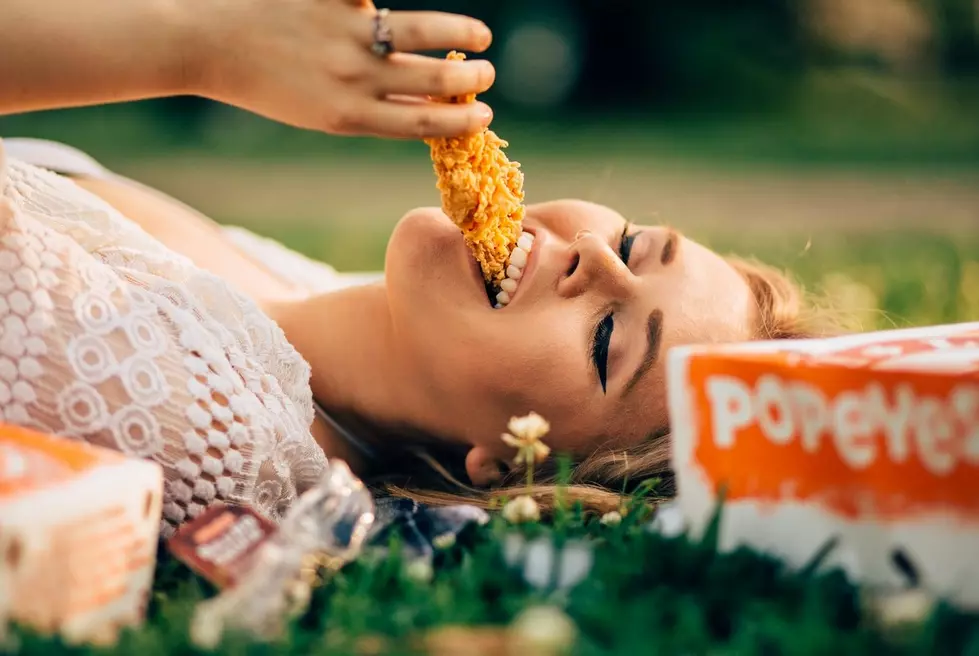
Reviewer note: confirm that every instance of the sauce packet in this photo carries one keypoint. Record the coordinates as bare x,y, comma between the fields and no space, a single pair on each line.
220,543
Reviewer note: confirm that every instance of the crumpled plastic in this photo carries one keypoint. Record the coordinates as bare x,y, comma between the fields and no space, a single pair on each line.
328,527
419,527
325,529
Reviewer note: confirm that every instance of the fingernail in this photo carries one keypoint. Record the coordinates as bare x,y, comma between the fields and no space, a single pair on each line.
484,37
489,73
484,112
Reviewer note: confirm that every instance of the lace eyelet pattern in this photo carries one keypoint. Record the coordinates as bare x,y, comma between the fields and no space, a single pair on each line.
109,337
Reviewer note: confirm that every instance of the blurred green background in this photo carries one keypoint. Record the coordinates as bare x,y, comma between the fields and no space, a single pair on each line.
838,138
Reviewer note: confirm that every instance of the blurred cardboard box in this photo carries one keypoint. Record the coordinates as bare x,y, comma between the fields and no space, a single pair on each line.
870,439
78,535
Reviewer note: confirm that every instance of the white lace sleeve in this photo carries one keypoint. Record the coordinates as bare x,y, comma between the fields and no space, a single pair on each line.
108,337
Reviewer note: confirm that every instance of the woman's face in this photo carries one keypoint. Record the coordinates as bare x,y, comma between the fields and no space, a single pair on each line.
582,341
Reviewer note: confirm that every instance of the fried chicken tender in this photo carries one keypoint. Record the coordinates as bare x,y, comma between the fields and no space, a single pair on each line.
482,192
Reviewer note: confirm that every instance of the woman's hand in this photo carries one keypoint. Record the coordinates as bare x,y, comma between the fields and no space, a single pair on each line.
309,63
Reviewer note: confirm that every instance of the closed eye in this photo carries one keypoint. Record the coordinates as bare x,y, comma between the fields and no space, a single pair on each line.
600,346
625,243
602,339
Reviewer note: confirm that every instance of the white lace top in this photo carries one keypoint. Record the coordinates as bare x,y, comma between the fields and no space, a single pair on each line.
109,337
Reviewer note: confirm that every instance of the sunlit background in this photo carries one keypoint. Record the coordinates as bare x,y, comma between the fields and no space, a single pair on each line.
837,138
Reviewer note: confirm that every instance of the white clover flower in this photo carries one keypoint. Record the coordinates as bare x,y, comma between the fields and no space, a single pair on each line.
524,436
544,630
898,608
668,520
419,571
444,541
529,427
611,518
528,454
521,509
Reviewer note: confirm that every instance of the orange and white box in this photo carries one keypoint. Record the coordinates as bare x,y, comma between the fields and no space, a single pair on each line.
872,439
78,535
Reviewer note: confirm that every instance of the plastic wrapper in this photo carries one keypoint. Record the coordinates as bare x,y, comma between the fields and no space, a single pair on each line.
420,527
78,535
269,575
870,441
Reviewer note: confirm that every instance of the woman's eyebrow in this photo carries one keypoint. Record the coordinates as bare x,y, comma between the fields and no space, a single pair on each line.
669,247
654,334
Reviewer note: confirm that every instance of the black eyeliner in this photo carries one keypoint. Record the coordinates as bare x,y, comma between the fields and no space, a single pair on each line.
602,335
625,243
600,346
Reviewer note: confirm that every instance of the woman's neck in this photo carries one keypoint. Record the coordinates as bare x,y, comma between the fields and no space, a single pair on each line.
357,370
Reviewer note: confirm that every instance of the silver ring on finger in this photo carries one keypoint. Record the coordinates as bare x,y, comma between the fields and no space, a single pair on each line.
383,38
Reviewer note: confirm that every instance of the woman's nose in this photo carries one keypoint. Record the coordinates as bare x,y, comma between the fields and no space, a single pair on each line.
593,265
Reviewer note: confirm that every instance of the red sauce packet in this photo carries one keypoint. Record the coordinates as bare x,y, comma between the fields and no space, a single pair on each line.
220,543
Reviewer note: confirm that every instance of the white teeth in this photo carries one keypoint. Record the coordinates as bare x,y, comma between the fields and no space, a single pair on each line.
514,272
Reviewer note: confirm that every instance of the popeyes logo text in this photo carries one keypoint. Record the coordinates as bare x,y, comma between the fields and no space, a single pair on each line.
862,440
862,424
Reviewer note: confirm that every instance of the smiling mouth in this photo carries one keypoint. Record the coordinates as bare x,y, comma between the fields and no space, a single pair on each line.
491,292
501,296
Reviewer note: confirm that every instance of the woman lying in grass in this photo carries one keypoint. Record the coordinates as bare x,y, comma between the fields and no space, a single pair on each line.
130,321
157,332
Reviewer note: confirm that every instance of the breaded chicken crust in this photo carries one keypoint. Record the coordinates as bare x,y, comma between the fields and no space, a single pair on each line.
482,192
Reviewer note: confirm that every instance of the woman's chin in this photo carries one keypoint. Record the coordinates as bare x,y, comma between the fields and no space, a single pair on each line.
416,242
424,259
425,221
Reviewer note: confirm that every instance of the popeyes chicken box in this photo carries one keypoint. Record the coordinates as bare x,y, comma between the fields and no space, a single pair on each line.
78,535
871,440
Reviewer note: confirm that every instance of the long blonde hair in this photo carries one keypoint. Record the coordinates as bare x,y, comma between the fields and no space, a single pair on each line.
601,480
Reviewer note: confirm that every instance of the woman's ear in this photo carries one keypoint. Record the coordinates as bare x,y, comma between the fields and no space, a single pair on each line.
481,467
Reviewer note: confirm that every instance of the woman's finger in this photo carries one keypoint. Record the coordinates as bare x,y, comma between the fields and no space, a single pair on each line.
410,74
418,119
412,31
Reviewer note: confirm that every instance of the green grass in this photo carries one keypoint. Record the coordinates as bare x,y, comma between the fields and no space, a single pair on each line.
646,593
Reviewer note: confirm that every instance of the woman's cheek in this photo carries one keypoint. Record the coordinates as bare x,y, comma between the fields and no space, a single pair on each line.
549,380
